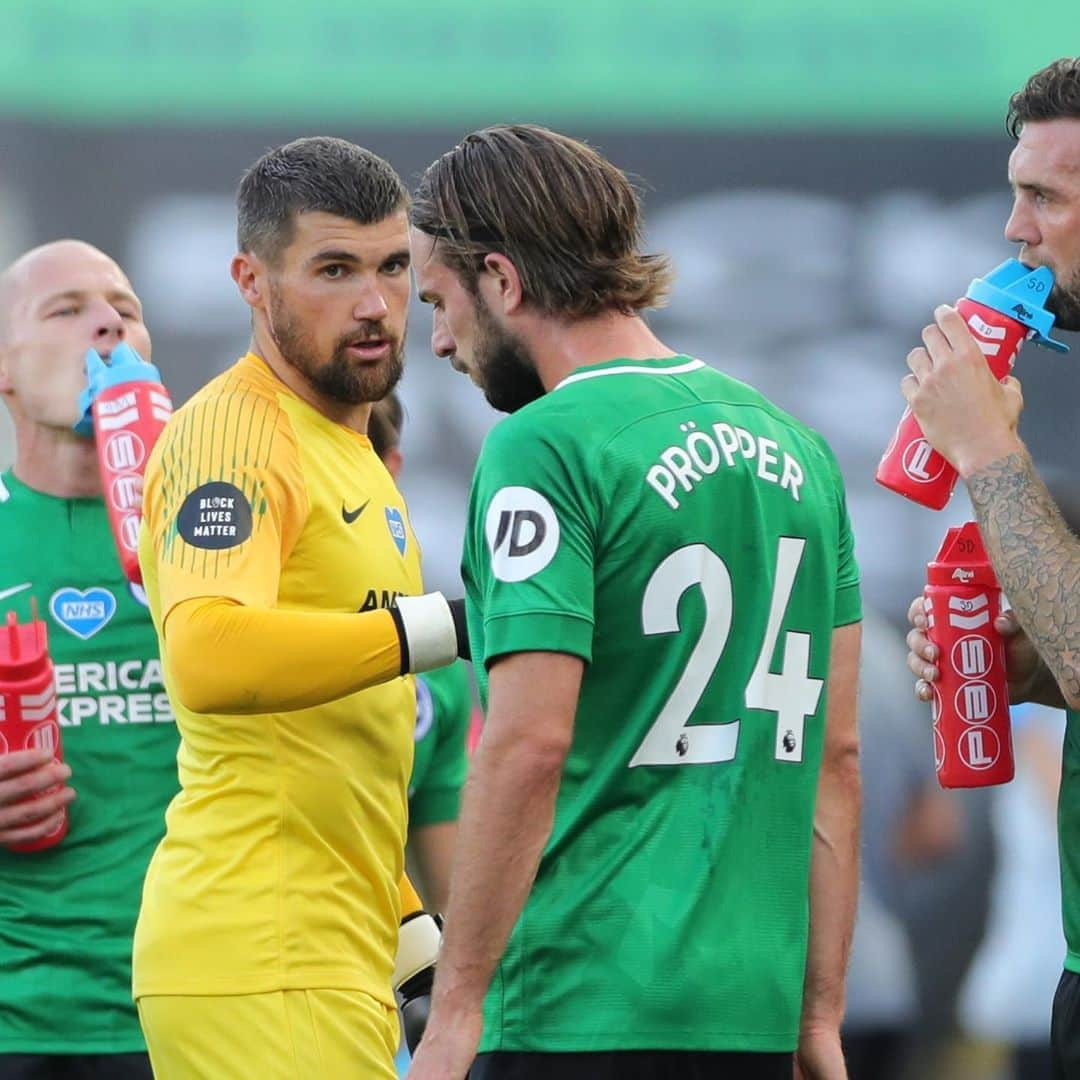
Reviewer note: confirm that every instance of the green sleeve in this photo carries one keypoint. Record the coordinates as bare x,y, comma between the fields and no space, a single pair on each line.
437,797
531,545
848,603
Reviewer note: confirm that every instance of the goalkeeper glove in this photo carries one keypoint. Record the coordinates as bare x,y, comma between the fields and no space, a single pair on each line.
431,630
414,972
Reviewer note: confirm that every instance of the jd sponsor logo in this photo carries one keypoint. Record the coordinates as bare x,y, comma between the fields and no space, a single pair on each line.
396,524
215,516
522,533
82,613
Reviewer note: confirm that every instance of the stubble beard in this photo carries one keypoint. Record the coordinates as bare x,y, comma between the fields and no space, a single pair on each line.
1064,301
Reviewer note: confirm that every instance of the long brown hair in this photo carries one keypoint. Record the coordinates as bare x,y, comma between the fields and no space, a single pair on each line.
567,218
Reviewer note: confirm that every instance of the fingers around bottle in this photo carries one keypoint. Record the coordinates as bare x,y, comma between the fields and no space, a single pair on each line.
31,811
920,646
28,784
23,761
921,669
29,833
917,613
923,691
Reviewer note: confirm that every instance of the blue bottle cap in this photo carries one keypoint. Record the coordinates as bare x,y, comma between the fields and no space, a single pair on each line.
1020,293
124,365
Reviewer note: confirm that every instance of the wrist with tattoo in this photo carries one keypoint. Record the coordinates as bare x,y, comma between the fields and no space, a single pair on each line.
992,448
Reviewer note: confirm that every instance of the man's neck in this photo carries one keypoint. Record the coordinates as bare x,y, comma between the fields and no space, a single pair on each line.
56,462
350,416
560,348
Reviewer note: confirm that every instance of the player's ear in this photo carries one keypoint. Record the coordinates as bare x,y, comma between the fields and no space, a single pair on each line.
248,272
503,283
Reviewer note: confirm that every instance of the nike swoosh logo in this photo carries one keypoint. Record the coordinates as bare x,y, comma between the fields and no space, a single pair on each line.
349,516
15,589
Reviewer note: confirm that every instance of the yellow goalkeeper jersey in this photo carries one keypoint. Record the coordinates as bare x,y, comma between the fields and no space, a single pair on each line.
280,864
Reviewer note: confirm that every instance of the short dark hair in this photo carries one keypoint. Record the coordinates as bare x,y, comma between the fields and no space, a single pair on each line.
1050,94
385,424
320,173
568,219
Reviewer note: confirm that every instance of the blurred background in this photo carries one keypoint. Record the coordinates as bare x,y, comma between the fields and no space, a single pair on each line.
822,175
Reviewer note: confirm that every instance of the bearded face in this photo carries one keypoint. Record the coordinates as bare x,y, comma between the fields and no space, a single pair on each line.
360,366
505,370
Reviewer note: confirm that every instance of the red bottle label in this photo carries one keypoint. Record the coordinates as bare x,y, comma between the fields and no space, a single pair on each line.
972,733
127,422
910,466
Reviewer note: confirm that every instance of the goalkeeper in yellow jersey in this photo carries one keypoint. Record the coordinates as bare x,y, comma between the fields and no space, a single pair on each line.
284,583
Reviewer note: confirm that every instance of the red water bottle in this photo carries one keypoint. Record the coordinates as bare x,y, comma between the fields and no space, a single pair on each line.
972,734
125,407
28,719
1001,310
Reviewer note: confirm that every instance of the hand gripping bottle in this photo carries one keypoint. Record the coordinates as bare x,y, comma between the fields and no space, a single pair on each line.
28,718
1001,310
972,736
125,408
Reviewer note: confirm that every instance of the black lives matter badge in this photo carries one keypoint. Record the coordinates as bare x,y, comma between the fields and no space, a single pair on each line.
215,516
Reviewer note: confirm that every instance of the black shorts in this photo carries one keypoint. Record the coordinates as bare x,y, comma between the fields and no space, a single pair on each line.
632,1065
1065,1028
75,1067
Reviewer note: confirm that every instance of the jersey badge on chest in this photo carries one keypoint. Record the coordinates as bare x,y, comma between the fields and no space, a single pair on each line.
396,524
82,613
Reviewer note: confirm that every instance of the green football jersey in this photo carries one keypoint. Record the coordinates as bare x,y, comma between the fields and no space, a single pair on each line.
691,542
67,914
1069,840
443,708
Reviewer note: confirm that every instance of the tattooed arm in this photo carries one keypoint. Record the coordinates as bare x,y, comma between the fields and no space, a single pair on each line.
1037,560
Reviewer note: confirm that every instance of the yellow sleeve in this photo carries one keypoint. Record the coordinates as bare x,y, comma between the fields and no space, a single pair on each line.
410,898
275,660
224,499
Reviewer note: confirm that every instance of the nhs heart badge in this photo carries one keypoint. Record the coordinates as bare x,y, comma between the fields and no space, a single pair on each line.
396,524
82,613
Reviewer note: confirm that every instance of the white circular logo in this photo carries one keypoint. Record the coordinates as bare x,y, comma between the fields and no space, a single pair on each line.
43,737
919,464
972,656
124,451
939,749
127,492
425,710
522,533
129,531
979,748
975,702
